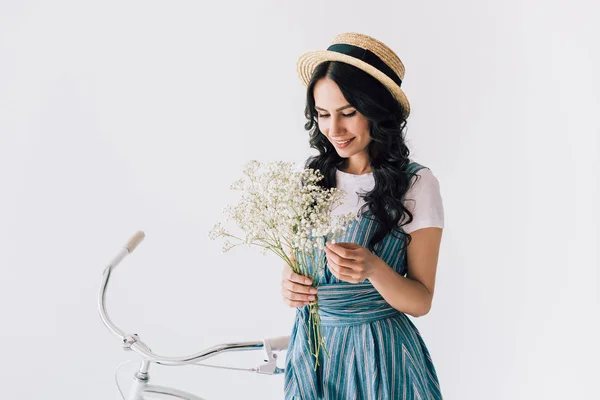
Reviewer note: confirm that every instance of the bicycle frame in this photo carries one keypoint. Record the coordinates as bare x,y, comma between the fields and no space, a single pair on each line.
132,342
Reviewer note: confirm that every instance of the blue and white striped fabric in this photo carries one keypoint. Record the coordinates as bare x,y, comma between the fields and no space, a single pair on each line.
375,351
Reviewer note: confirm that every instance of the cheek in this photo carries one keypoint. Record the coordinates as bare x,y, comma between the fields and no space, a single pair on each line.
364,127
358,125
323,127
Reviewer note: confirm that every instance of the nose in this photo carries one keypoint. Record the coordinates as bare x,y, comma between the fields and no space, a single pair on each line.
336,127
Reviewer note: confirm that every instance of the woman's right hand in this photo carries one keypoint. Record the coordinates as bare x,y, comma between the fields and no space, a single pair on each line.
297,290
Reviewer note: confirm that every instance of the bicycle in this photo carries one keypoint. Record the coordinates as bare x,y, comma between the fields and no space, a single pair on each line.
132,342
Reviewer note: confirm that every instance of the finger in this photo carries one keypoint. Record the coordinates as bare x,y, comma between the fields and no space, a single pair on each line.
298,288
340,251
288,273
333,266
291,257
348,278
297,296
305,280
340,269
296,303
342,277
337,259
344,274
348,245
334,272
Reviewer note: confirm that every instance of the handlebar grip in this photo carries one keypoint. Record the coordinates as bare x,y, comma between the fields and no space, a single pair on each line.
134,241
279,343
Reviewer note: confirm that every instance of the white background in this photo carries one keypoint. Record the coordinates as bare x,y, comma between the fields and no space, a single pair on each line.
137,115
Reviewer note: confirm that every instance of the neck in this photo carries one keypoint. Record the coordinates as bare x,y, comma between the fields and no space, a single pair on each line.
358,164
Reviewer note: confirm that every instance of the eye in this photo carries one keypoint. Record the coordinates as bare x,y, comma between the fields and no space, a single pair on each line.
345,115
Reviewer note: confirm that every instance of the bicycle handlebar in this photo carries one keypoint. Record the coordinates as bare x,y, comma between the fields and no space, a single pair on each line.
132,341
134,241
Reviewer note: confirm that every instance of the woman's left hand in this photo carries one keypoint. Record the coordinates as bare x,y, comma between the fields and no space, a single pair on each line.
351,262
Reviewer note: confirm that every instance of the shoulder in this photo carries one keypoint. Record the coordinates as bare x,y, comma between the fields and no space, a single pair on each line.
422,178
424,200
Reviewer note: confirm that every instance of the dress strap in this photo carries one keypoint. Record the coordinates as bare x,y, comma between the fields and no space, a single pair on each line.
414,167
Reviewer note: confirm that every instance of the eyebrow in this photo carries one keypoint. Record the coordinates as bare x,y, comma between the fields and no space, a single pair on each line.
339,109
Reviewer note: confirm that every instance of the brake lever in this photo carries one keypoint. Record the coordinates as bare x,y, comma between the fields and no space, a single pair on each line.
270,367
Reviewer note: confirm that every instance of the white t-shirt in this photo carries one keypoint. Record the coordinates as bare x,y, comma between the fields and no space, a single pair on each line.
423,199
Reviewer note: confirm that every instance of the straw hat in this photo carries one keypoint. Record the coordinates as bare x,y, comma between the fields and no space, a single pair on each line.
364,52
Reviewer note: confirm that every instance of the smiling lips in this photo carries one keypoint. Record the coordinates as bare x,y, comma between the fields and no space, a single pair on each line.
342,144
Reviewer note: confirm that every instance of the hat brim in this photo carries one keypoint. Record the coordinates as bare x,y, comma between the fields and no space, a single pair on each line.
308,61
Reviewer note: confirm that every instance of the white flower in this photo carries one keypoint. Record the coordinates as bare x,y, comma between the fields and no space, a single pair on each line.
217,231
283,209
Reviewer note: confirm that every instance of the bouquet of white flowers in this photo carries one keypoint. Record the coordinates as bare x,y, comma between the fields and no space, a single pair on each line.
285,211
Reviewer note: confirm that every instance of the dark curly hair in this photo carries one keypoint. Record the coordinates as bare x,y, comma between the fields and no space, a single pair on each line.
388,152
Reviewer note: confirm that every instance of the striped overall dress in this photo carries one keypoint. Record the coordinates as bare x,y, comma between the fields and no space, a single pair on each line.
375,351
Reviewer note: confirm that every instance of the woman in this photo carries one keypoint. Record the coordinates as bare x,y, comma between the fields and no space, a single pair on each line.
386,265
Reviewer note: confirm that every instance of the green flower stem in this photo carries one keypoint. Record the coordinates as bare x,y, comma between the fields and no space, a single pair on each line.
316,341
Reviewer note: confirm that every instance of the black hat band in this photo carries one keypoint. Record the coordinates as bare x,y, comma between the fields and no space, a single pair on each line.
367,56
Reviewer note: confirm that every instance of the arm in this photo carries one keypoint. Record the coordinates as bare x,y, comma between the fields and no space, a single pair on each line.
412,294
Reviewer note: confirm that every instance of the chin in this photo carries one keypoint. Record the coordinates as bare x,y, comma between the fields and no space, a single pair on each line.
346,153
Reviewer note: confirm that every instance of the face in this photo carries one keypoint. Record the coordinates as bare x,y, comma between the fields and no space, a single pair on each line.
346,128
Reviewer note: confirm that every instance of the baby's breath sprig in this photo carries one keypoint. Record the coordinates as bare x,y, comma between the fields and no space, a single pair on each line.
285,211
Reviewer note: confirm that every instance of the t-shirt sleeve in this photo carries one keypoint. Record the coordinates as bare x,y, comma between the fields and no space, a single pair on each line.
424,200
